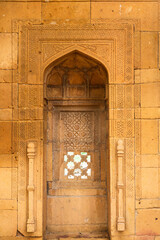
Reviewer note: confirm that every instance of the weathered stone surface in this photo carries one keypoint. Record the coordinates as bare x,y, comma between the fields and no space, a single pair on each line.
150,182
5,160
8,219
10,11
150,98
147,222
14,180
8,204
147,113
128,237
6,76
82,238
8,54
149,161
58,207
20,238
5,188
147,203
158,46
5,93
66,11
159,136
137,51
5,114
149,50
146,12
5,137
78,192
144,238
147,75
149,136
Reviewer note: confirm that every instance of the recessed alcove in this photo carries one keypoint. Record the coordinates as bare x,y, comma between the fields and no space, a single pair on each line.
76,172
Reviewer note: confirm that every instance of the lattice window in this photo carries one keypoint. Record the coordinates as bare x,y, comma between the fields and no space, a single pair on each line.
77,166
78,130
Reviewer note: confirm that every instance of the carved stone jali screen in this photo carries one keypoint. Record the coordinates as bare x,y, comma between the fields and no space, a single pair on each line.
76,116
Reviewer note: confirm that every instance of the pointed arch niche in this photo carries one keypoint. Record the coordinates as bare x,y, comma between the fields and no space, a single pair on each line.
76,147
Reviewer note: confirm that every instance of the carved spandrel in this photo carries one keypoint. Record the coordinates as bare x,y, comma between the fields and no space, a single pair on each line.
51,49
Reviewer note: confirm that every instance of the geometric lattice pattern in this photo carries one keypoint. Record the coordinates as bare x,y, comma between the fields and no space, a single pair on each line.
78,132
77,166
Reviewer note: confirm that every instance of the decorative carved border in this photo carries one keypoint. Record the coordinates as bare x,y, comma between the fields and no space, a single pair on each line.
92,39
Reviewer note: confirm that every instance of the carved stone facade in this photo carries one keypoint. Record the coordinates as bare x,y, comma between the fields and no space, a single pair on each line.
64,74
110,44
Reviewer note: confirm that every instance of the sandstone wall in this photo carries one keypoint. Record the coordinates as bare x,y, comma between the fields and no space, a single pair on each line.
146,98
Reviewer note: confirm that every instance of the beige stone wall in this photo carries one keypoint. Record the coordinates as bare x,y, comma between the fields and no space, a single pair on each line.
146,133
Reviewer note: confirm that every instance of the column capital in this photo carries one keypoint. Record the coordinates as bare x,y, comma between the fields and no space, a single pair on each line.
31,150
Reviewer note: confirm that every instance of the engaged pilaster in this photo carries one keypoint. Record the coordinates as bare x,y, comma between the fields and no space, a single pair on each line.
120,186
31,155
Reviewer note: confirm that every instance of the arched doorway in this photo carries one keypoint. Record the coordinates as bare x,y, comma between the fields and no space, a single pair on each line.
76,147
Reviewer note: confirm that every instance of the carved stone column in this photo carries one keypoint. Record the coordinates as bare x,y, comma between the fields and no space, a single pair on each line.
120,187
31,155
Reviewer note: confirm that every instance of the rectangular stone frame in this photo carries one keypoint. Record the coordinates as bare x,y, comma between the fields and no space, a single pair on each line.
111,43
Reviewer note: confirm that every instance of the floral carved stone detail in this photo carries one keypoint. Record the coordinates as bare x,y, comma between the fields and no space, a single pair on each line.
77,166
